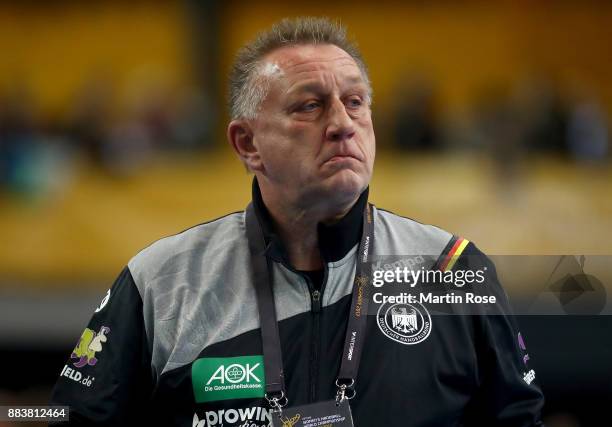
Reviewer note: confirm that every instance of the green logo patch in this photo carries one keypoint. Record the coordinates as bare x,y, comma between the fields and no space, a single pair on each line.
222,378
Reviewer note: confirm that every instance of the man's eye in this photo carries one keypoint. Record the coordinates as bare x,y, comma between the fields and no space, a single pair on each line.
354,102
310,106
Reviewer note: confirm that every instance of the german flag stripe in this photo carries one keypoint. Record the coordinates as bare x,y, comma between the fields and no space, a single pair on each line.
454,254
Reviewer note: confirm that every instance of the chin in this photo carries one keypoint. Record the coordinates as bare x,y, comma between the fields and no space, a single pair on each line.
347,183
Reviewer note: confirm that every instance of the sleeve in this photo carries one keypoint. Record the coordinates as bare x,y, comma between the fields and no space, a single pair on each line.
508,394
108,378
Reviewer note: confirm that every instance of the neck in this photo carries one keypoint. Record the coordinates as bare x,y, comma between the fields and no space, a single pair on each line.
297,225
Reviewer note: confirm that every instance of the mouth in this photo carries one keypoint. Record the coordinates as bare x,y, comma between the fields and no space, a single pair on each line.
343,157
339,158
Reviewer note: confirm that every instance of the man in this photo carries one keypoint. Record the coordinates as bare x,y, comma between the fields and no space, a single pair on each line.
236,321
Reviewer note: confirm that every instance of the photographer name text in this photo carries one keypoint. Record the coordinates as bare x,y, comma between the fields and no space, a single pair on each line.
431,298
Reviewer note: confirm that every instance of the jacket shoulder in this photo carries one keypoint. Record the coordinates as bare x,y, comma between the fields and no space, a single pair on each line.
171,254
398,235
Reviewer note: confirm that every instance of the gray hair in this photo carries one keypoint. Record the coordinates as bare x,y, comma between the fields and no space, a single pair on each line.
249,78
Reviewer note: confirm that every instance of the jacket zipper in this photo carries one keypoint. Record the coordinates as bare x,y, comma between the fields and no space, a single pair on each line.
315,296
315,341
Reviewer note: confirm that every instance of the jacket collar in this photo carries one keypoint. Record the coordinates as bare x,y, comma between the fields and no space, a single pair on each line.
335,240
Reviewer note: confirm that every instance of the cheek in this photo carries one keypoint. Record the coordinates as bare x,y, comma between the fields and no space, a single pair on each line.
368,138
270,137
301,133
297,138
281,130
286,147
286,141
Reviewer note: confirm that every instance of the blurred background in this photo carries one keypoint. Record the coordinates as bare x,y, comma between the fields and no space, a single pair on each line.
492,121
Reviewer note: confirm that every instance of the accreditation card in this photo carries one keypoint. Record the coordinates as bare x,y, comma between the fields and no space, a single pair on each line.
320,414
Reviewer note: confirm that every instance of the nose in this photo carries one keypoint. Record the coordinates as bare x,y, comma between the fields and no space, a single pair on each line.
340,126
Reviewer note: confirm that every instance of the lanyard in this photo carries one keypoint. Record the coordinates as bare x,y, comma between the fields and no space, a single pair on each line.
355,332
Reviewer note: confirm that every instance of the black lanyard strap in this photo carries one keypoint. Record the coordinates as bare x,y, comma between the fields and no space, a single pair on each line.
273,359
356,328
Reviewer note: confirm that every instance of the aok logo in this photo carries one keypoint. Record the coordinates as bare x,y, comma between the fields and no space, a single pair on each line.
215,378
234,374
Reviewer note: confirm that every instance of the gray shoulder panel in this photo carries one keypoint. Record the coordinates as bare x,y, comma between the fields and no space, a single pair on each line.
197,290
396,235
171,254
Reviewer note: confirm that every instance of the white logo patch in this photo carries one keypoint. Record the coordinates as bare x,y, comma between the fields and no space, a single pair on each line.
104,301
234,374
405,323
528,377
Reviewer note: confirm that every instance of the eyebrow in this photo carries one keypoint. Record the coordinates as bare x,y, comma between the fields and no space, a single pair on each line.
315,86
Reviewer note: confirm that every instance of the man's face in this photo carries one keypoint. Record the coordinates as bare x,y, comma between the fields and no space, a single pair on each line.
314,129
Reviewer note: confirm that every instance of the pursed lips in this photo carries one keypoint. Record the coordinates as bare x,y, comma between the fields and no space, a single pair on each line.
343,155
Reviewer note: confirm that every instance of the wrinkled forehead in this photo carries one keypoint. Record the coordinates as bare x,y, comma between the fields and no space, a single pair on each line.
303,61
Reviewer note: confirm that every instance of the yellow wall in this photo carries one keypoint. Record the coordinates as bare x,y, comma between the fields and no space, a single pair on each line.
54,47
463,45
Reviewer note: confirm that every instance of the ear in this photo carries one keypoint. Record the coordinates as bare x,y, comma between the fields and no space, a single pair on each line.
240,137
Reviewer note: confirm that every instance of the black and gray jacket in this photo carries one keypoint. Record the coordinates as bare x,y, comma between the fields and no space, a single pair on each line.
176,341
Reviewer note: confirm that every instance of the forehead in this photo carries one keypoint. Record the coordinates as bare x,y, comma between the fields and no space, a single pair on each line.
303,61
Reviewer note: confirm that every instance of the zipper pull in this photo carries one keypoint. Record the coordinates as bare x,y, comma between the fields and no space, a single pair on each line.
316,300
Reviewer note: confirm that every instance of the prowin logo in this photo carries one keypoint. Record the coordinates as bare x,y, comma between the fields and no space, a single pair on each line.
215,378
255,416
